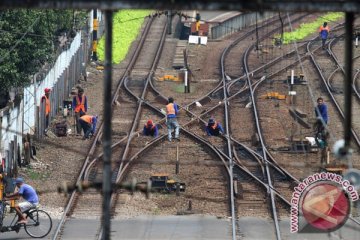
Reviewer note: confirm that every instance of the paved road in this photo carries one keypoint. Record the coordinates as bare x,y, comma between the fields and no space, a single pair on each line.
192,227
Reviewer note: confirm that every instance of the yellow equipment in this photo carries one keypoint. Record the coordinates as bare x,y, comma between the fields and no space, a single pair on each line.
273,95
169,77
161,182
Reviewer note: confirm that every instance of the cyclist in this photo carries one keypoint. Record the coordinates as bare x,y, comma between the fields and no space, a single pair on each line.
28,193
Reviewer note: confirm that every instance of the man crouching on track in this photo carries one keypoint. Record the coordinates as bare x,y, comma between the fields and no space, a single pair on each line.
88,124
214,128
28,193
150,129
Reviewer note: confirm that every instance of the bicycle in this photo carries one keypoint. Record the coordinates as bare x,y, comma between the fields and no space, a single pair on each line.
38,224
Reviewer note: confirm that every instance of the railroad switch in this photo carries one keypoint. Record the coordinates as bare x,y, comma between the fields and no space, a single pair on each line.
302,146
298,80
164,184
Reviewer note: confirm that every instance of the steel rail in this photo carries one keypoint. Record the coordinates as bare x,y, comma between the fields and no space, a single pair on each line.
137,116
98,134
317,67
354,82
258,127
195,116
229,152
332,54
234,43
262,183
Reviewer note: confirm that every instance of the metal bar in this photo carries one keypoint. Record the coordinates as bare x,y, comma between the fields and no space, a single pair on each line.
349,20
107,126
273,5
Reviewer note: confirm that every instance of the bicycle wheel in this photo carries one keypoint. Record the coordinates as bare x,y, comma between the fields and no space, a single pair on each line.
39,223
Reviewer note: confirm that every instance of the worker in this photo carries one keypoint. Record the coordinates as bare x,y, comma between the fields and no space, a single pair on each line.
46,100
28,193
150,129
172,110
321,110
88,124
214,128
324,33
79,105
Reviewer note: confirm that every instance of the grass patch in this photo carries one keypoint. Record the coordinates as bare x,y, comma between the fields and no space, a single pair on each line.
126,26
180,88
307,29
35,175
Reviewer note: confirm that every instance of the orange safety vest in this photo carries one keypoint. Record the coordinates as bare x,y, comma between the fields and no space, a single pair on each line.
80,105
47,105
170,109
324,28
87,118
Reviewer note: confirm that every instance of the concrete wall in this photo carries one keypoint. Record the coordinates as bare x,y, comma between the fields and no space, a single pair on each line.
237,23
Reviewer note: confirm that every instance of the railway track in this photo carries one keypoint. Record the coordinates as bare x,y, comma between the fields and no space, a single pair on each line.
322,64
74,199
220,163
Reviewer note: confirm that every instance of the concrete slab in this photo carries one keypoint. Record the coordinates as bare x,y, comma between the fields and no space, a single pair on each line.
171,227
256,228
262,229
81,229
349,231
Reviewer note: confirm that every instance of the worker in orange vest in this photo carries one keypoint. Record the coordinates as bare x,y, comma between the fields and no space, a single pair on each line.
88,124
172,110
324,33
46,100
79,105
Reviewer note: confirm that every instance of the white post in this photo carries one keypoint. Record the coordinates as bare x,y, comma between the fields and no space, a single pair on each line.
186,80
292,77
357,41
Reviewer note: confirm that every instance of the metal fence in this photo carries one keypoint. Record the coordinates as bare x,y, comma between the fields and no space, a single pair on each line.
27,115
237,23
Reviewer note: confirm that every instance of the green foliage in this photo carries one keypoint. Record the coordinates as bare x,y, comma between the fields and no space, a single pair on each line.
34,174
126,26
27,41
306,29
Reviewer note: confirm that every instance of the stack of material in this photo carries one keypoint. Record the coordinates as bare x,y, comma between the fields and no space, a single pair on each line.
178,61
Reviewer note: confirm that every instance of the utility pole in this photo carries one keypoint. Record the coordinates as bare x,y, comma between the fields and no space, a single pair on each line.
95,29
107,191
349,21
169,19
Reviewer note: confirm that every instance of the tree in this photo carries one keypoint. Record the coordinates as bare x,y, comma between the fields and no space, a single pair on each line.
28,39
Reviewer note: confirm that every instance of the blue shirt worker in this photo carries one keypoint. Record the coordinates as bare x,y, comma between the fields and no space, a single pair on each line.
214,128
150,129
80,107
28,193
324,33
321,111
88,124
172,110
